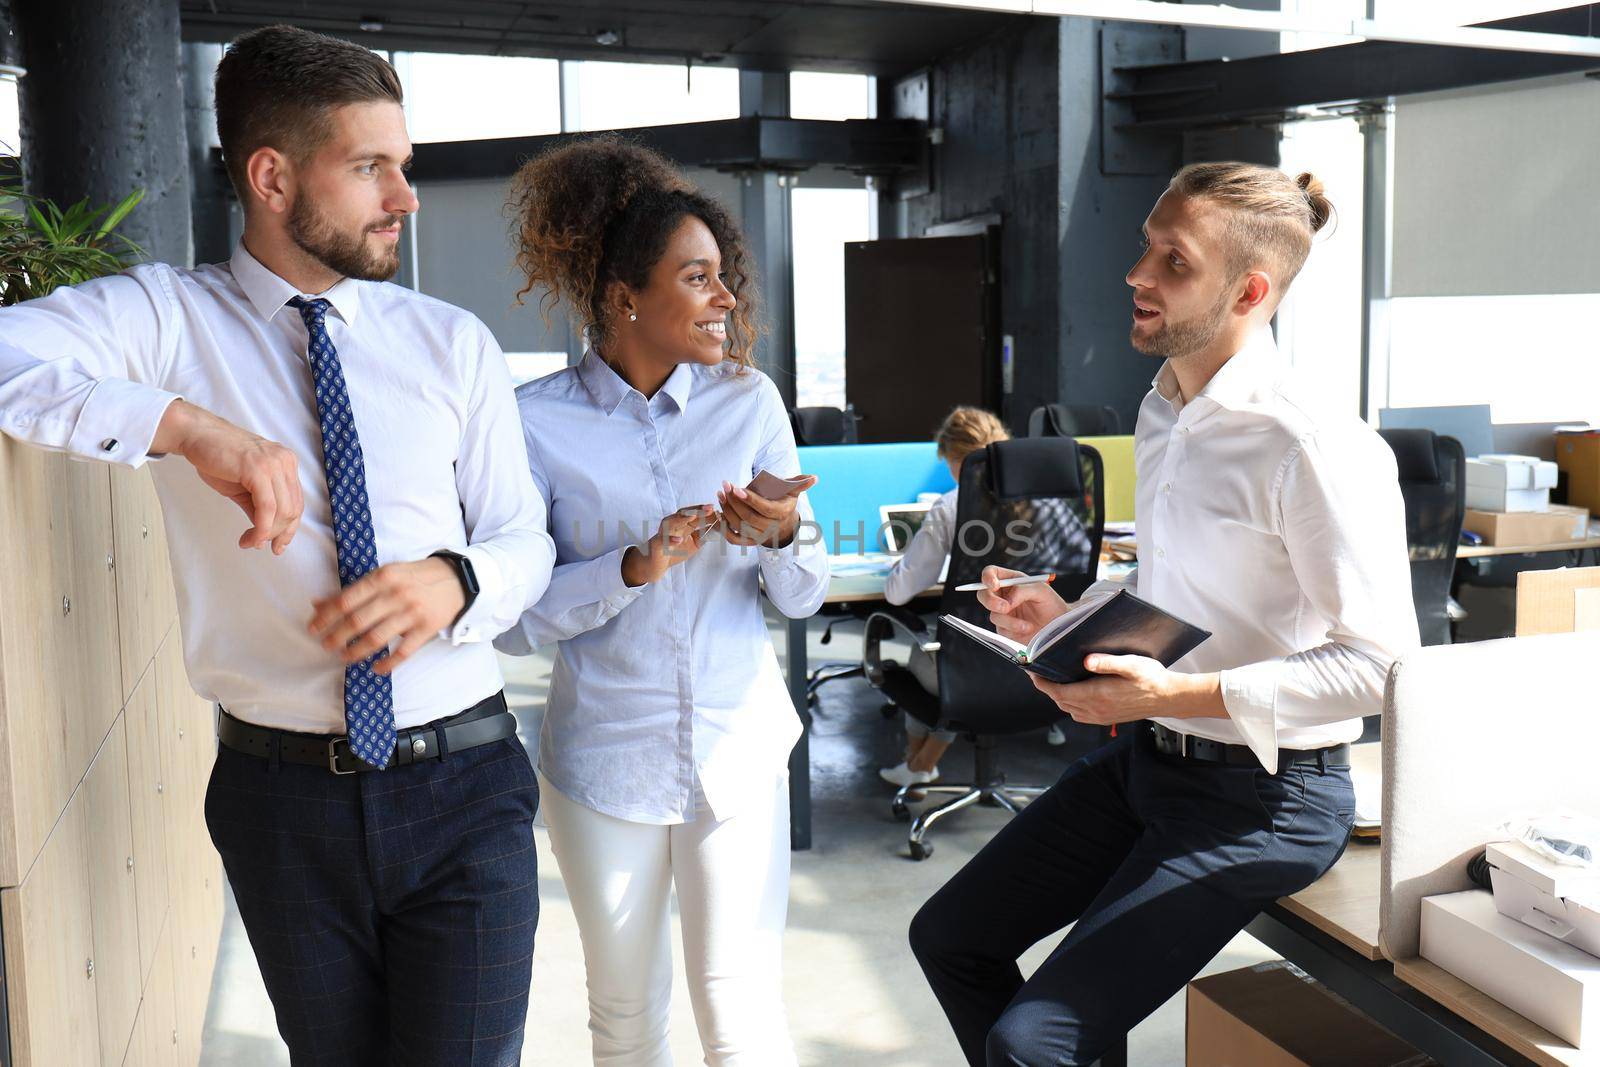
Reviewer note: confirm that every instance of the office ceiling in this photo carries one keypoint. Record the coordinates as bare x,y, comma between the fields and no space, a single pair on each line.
863,36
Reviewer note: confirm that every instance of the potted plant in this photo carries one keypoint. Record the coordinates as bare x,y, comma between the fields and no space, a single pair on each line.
43,246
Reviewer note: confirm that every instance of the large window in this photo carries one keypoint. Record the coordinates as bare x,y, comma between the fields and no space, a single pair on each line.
1530,358
824,221
816,95
611,96
465,98
1319,323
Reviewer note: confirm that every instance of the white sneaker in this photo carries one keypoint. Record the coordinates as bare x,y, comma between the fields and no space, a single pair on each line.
1055,736
902,775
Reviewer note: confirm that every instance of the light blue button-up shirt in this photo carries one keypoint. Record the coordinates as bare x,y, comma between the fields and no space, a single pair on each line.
657,687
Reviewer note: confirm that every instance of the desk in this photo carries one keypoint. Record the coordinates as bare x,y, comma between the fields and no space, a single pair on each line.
853,580
1330,931
1480,551
1535,1042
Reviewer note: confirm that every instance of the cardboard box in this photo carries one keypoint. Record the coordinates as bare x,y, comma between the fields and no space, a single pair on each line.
1555,898
1578,456
1580,519
1275,1015
1549,982
1503,482
1520,527
1557,602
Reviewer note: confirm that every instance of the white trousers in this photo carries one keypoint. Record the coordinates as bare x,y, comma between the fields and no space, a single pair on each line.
732,881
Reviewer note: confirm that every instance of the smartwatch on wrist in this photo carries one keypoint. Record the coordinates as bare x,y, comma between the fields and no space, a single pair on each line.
465,574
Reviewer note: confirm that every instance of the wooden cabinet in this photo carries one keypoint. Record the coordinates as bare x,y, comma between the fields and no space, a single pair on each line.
148,816
146,609
49,944
155,1032
110,890
60,671
114,910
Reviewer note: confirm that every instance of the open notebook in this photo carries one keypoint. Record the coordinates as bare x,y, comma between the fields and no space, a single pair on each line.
1119,624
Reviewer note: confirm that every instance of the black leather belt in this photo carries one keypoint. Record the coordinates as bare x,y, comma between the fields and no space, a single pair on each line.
483,723
1170,742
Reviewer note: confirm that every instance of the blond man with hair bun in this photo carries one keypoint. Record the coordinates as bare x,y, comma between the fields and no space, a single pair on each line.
1263,517
964,431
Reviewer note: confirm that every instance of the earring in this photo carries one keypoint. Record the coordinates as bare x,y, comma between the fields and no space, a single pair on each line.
633,318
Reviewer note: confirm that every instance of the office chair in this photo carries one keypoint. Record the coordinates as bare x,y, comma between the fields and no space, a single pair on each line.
1074,420
1034,505
823,426
1433,485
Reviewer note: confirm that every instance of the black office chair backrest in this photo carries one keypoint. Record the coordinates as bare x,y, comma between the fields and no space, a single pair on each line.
1073,420
822,426
1433,484
1035,505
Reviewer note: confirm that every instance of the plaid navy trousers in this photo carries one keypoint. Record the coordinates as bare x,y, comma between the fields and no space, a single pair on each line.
1156,861
392,913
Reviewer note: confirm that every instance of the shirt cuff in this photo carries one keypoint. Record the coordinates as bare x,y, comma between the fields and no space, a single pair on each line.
118,422
1251,696
613,590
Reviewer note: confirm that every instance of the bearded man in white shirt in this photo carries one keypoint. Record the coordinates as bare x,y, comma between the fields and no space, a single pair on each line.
370,799
1262,517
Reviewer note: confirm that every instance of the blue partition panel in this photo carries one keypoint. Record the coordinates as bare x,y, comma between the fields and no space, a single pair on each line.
855,480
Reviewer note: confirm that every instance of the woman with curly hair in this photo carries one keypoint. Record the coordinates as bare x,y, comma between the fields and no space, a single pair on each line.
664,749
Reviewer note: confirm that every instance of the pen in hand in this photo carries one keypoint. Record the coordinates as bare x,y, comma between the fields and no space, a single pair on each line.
1006,583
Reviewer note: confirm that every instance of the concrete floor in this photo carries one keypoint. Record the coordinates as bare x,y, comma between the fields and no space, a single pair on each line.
855,995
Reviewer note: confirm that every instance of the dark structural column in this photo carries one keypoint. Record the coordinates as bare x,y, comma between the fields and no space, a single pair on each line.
765,210
102,112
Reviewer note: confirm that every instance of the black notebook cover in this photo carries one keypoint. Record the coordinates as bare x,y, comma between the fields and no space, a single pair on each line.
1122,626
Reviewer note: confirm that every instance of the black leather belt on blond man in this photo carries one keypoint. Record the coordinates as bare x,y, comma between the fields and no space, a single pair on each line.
484,723
1187,746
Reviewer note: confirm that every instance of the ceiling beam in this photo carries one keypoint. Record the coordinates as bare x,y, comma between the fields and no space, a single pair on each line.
1272,87
1223,16
866,146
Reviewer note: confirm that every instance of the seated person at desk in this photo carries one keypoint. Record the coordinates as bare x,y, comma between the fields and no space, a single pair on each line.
1265,518
963,432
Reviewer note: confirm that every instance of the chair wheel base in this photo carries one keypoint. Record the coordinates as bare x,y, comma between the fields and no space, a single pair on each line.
921,850
900,811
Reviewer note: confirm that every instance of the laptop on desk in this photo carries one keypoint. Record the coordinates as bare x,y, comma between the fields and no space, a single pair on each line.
900,523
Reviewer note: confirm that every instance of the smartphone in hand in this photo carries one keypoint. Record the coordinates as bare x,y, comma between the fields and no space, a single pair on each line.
771,487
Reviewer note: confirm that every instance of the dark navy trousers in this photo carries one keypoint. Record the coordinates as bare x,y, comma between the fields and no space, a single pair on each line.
392,913
1156,862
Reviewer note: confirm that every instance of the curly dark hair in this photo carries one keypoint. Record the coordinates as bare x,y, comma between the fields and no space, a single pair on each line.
601,210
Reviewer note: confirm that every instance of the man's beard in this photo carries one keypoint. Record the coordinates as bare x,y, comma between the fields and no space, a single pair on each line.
343,253
1175,340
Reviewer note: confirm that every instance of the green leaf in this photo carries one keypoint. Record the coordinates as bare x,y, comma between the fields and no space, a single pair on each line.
120,212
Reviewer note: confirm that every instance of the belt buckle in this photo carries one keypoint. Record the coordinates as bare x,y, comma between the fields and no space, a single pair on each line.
333,755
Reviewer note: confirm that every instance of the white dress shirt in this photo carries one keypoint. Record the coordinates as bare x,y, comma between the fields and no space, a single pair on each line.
657,686
925,557
1278,525
89,371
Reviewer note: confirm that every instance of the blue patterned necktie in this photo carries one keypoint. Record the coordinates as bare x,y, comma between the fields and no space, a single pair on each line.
368,695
